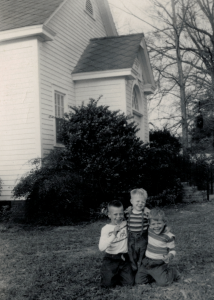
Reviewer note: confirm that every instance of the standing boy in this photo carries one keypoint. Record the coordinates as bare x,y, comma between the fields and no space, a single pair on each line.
137,227
116,268
160,251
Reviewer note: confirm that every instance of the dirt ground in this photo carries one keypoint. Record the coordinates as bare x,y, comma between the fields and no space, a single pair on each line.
64,262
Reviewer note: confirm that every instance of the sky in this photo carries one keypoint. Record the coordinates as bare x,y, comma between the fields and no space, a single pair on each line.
127,24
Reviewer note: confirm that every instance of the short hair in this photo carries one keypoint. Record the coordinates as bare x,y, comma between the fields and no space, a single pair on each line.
157,214
115,203
141,192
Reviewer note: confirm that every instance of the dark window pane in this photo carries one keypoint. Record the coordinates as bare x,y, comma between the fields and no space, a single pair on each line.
58,130
59,113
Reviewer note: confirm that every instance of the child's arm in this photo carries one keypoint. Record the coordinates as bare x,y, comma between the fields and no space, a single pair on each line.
106,239
128,210
167,258
171,247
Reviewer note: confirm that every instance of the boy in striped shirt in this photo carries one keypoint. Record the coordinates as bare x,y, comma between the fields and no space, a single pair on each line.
160,251
137,227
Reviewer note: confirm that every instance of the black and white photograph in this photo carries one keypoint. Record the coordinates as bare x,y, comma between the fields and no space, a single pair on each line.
106,149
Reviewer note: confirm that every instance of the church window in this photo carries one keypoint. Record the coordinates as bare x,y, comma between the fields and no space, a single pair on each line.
135,98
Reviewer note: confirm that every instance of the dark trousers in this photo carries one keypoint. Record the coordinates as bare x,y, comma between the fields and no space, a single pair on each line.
153,269
137,243
116,271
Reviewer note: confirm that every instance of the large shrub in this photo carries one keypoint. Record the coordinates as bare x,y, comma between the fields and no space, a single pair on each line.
164,138
160,177
101,160
102,147
51,189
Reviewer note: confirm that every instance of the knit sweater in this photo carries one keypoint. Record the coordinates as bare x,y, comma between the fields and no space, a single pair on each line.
111,244
137,222
160,245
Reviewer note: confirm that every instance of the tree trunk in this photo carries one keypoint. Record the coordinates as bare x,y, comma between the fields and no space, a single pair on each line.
181,83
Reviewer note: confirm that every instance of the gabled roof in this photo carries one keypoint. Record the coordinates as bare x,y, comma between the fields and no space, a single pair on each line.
109,53
21,13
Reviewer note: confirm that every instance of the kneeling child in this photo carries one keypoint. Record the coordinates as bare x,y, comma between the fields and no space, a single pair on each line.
160,251
116,268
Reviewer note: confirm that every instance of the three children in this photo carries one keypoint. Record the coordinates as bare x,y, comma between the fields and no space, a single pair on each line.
130,251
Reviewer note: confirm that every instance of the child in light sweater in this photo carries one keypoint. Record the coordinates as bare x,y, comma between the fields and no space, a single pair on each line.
160,251
116,268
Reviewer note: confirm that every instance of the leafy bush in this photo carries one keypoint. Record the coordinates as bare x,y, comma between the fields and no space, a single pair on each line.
5,213
164,138
103,147
101,159
159,163
168,196
51,188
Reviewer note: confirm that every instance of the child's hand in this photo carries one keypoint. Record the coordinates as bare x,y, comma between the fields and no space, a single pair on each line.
167,258
128,210
167,229
116,230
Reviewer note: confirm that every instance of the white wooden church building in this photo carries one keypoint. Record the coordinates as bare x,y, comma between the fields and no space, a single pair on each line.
56,53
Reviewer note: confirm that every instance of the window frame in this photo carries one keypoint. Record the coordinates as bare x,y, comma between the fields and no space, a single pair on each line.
138,113
139,98
135,99
64,92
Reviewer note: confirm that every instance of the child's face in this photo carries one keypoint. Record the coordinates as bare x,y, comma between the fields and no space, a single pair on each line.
116,214
138,202
157,225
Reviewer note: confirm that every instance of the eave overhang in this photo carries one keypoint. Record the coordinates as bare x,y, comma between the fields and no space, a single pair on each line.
41,31
127,73
149,89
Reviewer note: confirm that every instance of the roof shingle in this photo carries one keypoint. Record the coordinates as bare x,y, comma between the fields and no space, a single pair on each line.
109,53
21,13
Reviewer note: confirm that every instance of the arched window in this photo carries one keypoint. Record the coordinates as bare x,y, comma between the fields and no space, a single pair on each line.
137,110
89,7
135,98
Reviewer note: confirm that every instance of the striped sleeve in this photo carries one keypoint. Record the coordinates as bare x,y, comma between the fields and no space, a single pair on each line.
146,218
160,245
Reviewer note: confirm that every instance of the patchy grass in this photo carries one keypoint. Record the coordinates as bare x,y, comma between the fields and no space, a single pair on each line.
64,262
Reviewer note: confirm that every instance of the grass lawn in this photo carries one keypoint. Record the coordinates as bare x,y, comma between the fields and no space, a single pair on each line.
64,262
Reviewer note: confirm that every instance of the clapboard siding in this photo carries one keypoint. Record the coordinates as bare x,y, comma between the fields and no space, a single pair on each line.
19,148
73,28
129,84
19,111
112,91
145,114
